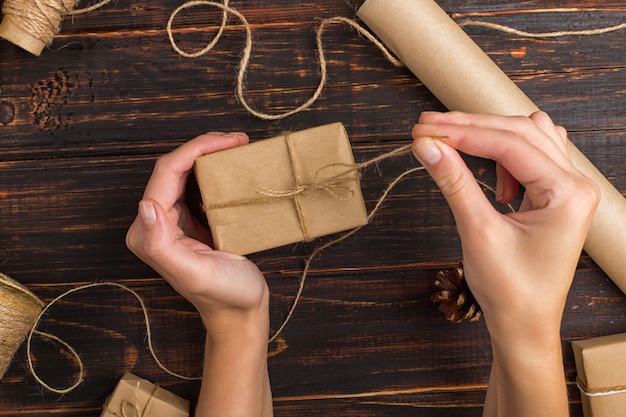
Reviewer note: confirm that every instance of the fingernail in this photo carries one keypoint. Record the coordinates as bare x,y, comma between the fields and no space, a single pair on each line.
499,190
147,213
235,134
427,152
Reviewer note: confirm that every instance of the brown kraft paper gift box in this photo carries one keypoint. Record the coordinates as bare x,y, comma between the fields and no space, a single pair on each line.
278,191
601,366
135,397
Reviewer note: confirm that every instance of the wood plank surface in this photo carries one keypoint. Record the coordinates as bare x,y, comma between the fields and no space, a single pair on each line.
81,127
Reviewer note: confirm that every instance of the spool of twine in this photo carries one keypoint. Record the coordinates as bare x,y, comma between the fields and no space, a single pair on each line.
32,24
19,309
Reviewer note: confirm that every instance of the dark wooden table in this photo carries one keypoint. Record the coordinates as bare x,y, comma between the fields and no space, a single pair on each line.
82,125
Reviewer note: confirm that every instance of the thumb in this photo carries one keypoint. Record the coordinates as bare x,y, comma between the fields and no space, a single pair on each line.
158,240
156,236
454,179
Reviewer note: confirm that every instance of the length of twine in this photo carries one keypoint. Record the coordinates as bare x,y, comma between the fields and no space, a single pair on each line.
79,379
403,150
557,34
42,19
245,59
599,392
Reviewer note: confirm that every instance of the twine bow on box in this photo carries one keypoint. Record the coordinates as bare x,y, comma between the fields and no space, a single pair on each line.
341,186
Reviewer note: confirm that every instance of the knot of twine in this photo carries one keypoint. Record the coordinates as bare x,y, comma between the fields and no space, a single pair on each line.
336,186
245,56
599,392
42,19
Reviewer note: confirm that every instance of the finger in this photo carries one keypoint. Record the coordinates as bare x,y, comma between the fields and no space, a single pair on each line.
178,258
455,180
169,177
526,163
537,129
557,133
161,245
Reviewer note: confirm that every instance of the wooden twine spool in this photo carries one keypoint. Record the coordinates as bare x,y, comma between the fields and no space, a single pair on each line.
32,24
19,309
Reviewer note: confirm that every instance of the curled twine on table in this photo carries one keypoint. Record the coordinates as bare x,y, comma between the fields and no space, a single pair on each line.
42,19
70,349
245,58
599,392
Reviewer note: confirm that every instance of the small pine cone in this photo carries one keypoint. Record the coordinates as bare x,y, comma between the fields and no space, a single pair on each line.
455,297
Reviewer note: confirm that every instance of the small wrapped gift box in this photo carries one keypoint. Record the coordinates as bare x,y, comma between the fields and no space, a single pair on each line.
601,366
286,189
137,397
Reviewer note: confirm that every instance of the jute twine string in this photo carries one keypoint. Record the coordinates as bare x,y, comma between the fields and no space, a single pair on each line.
79,378
403,150
91,8
42,19
599,392
245,58
557,34
296,196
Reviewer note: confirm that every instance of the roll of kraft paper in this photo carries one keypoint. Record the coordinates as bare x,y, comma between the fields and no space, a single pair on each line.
464,78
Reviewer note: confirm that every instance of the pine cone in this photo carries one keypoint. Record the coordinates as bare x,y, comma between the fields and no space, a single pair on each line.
456,299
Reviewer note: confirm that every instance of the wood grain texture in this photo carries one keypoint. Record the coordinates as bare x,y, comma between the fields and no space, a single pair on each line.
81,127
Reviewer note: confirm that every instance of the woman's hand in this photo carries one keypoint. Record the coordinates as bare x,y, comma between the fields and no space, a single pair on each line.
165,236
228,290
519,265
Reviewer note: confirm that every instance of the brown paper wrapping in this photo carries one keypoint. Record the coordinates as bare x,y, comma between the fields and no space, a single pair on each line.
137,397
12,33
241,189
464,78
601,366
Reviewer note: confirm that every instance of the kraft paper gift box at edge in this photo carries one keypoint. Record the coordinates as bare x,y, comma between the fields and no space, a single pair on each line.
278,191
601,367
135,396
